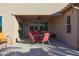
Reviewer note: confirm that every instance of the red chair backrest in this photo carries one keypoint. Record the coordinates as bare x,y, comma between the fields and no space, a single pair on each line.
46,37
36,33
30,36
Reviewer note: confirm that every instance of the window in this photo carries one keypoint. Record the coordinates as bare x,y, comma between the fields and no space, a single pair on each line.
31,27
68,24
46,26
0,23
39,26
68,20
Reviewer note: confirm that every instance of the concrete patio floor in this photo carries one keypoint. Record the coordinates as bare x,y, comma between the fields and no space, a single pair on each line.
25,49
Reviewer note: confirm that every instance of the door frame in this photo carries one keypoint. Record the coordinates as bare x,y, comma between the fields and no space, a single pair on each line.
22,29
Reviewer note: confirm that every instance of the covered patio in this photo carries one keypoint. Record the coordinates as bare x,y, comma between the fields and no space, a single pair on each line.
27,23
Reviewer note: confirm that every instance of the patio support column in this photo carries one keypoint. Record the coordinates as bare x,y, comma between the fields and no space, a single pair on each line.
15,29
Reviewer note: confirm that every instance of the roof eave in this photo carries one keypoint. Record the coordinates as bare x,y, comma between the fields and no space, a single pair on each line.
67,7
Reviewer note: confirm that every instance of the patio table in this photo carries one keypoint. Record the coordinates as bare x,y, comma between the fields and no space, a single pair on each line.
38,37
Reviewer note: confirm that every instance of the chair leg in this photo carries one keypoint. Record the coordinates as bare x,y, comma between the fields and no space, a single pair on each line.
48,42
43,43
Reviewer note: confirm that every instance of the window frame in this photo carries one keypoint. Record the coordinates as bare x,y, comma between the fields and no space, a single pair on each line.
68,24
40,27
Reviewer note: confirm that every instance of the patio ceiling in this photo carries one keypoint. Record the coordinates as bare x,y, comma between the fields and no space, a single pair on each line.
37,16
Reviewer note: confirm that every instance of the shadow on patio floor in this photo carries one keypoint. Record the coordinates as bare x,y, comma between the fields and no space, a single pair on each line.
32,52
24,49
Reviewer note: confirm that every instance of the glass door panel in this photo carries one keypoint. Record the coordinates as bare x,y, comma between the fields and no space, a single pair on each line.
38,26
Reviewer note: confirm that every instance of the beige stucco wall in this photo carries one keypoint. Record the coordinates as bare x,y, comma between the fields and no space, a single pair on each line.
59,27
70,38
9,26
78,28
76,7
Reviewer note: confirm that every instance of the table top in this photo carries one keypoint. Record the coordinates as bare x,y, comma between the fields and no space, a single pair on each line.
38,35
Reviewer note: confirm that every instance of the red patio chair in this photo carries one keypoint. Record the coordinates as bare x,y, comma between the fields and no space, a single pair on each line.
46,38
31,37
35,32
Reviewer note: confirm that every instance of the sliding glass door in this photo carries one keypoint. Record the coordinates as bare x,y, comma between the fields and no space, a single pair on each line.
38,26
